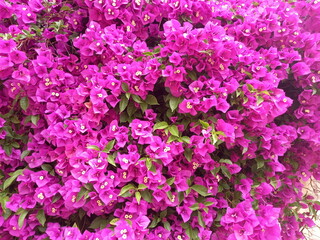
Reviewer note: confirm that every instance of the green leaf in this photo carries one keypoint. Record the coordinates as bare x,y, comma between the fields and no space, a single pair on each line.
200,220
259,100
22,215
35,119
65,8
170,181
126,188
207,204
166,225
11,179
181,196
192,233
163,213
98,222
109,146
125,87
114,221
260,163
173,129
160,125
202,190
131,109
41,217
142,186
192,75
204,124
227,161
111,160
225,171
136,98
123,104
154,222
244,150
185,139
146,195
174,103
83,193
256,4
143,106
188,154
93,147
156,50
15,145
194,207
239,17
151,100
46,167
148,163
148,53
7,149
248,74
24,103
56,198
138,196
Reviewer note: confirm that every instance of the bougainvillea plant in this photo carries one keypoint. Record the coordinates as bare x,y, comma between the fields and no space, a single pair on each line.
158,119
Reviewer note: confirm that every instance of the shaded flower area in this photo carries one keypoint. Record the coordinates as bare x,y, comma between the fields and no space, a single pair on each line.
158,119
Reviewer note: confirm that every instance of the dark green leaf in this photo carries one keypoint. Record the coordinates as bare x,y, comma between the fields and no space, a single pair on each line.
146,195
98,222
131,109
192,75
46,167
143,106
152,100
123,104
260,163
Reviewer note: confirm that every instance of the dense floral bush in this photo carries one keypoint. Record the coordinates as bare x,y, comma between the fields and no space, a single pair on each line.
158,119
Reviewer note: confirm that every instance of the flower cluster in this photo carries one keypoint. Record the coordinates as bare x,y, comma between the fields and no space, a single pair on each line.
162,119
